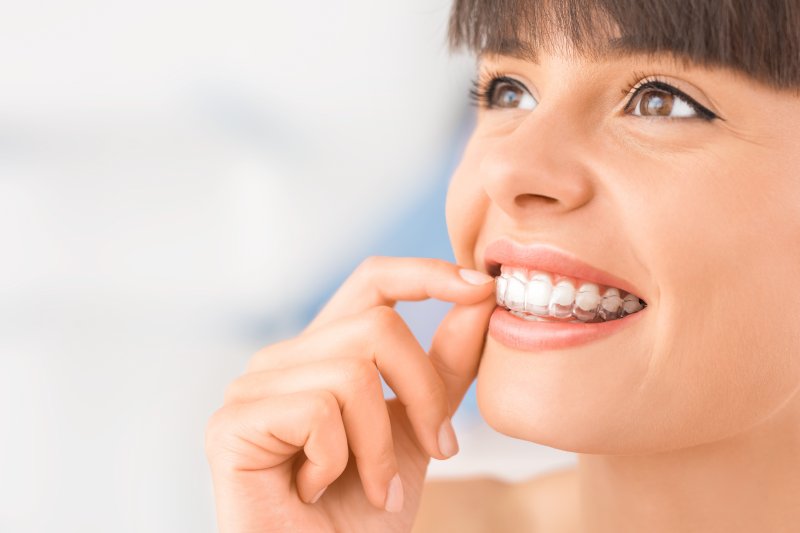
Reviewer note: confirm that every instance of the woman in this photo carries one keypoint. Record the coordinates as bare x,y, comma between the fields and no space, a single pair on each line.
633,186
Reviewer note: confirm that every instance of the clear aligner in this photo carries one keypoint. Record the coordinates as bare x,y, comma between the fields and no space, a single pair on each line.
540,298
562,300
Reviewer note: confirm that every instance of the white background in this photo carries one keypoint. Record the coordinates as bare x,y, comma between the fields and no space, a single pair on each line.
177,180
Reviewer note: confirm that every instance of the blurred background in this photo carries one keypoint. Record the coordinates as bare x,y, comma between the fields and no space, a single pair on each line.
182,183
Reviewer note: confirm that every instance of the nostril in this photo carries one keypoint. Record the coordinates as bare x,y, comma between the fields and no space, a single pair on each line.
524,200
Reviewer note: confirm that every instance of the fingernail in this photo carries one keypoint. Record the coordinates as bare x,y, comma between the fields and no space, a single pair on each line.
394,496
315,498
448,444
473,277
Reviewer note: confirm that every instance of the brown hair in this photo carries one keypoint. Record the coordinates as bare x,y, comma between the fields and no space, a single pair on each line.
760,38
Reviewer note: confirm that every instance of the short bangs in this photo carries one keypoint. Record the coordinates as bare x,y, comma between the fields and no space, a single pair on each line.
760,38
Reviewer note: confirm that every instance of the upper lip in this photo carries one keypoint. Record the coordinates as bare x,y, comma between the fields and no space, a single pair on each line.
549,258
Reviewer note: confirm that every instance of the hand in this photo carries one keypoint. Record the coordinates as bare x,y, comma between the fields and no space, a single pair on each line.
305,440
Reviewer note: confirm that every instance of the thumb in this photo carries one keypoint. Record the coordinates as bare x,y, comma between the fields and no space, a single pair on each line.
457,347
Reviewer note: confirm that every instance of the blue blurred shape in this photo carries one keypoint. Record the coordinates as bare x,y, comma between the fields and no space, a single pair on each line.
420,231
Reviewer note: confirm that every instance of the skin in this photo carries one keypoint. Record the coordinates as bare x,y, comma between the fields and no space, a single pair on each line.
691,418
309,415
688,421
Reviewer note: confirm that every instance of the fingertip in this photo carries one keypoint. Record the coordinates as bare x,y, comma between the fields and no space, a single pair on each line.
474,288
448,444
318,495
394,495
474,277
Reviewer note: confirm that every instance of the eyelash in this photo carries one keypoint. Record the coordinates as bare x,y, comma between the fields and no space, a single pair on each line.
640,82
483,87
483,90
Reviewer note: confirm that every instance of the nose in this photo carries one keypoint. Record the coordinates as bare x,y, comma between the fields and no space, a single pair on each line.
538,168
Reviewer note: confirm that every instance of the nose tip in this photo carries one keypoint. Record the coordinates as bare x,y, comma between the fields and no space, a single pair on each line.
526,174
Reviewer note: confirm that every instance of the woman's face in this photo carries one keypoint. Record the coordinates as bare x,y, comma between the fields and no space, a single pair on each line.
703,216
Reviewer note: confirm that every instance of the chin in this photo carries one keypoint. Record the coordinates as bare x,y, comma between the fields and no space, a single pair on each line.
534,397
594,402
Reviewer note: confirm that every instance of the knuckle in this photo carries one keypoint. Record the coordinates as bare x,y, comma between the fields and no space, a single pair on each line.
233,392
231,396
250,386
262,358
370,264
216,427
222,443
382,318
323,405
361,372
255,362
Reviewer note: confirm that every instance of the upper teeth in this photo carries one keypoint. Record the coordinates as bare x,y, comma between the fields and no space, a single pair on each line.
534,292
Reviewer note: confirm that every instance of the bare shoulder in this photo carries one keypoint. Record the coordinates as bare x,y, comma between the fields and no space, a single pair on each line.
545,503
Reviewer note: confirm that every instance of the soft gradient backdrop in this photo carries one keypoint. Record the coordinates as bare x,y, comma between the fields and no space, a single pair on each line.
182,183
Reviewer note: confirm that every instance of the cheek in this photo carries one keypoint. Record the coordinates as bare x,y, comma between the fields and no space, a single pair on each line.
679,381
718,352
465,208
724,256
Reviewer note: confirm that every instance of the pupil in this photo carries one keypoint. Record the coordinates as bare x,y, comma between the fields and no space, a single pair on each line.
658,103
508,96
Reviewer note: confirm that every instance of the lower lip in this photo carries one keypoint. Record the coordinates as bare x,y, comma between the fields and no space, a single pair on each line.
532,336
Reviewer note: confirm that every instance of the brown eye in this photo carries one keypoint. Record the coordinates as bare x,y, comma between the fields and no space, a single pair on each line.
510,96
506,95
652,102
655,103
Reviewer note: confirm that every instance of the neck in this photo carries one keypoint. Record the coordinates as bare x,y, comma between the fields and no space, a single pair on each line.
749,482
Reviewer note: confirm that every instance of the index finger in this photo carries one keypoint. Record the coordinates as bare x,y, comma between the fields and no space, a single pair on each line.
383,281
458,345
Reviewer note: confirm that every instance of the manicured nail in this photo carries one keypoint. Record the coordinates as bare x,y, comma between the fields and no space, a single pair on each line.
394,496
315,498
474,277
448,444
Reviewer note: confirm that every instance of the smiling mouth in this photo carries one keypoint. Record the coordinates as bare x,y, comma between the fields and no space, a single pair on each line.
541,296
